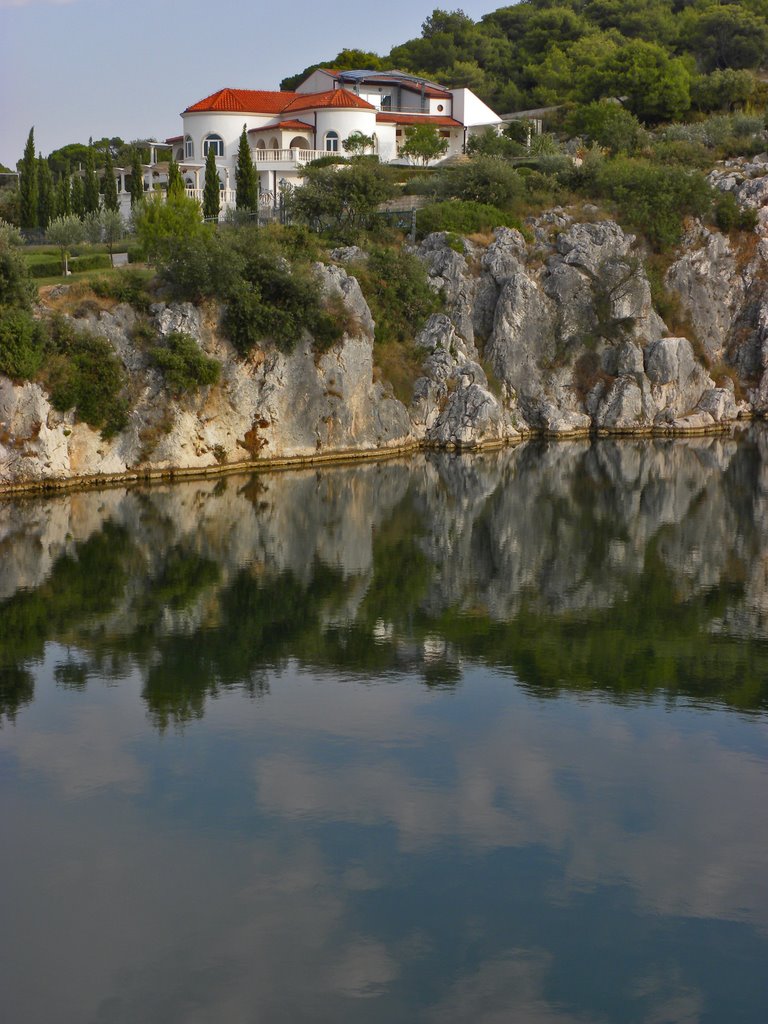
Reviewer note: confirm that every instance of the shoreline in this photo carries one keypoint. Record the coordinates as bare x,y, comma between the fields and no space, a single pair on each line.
137,477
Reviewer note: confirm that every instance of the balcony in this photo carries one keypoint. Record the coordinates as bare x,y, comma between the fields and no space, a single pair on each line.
286,159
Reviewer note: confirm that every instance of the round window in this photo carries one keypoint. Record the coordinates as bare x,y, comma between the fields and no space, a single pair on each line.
440,108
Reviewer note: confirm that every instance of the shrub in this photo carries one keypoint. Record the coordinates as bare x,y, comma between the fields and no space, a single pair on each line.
52,267
484,179
464,218
184,366
729,216
16,288
654,200
397,289
86,375
129,286
22,344
206,265
608,124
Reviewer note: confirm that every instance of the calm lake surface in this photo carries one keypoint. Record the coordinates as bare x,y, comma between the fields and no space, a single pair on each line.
453,739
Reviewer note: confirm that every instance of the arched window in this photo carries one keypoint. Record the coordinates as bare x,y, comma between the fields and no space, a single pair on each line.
214,142
298,143
179,154
189,147
273,143
261,144
332,142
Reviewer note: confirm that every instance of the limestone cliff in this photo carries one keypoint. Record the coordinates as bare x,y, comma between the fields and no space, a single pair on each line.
554,333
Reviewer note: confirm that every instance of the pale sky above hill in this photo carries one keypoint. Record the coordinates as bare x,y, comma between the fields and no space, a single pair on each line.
99,67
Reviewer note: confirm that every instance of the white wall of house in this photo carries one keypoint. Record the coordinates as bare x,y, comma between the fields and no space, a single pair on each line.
318,81
470,110
199,124
344,123
387,145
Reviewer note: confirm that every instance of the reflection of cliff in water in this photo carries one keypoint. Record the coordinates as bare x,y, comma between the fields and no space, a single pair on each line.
630,567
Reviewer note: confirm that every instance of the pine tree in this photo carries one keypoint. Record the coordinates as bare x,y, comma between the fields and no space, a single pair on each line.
176,186
91,200
246,182
137,178
78,200
110,184
28,184
46,197
211,197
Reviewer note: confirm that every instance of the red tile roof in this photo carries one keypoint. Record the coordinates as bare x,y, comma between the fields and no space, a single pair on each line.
244,101
175,138
255,101
289,126
335,98
439,120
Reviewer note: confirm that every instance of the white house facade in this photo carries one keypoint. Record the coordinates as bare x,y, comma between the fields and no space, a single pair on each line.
288,129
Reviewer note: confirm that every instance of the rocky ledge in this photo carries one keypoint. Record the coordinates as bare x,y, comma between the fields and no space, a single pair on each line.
554,333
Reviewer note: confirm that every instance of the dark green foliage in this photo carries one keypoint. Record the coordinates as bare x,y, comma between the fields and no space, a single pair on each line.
63,195
246,180
77,196
212,188
91,200
204,265
397,290
729,216
16,288
423,143
484,179
176,187
327,161
22,343
46,196
161,226
52,267
137,178
654,200
110,184
607,124
492,143
184,366
86,375
462,217
729,36
723,90
28,184
342,201
129,286
275,302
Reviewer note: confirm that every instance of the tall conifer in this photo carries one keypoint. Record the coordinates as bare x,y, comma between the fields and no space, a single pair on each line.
211,197
78,200
28,184
137,178
110,184
91,200
176,186
64,194
46,197
246,182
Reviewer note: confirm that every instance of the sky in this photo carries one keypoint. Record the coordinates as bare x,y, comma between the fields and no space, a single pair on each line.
80,68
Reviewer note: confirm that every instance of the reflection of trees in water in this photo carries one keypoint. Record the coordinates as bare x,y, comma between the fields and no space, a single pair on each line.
591,567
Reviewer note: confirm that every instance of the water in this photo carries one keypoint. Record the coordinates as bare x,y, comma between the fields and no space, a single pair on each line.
453,739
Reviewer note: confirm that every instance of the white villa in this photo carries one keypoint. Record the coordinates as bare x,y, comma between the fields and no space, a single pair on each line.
288,129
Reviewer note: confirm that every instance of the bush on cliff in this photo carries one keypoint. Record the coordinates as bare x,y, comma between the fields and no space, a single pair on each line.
184,366
397,290
85,374
464,218
22,343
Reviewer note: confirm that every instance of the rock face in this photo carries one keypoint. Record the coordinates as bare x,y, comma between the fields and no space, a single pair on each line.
553,332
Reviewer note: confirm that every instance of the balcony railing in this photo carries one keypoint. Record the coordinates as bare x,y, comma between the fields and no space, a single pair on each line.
226,195
284,156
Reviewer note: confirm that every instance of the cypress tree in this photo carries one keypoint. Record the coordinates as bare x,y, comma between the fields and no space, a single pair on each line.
137,178
176,186
78,199
28,184
64,194
90,184
246,182
46,197
110,184
211,197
